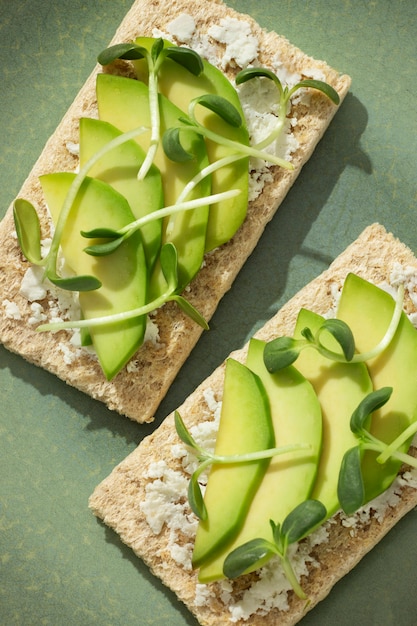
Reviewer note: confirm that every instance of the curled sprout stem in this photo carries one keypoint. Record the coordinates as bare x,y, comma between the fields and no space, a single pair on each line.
381,346
391,330
392,448
240,148
154,113
178,206
110,319
50,259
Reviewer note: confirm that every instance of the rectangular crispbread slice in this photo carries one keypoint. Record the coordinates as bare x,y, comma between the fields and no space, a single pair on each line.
122,499
138,393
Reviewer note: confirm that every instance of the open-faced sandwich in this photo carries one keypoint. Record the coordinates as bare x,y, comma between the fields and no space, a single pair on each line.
293,459
152,193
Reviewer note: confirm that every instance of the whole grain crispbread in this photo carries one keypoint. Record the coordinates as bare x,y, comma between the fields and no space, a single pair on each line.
138,393
118,499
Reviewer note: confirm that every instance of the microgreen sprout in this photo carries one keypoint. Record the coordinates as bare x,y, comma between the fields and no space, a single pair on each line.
171,140
225,110
351,490
285,95
169,266
299,523
207,458
284,351
117,237
185,57
28,226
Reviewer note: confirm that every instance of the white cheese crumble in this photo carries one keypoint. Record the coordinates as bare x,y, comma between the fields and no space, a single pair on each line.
259,98
240,45
32,286
183,27
11,310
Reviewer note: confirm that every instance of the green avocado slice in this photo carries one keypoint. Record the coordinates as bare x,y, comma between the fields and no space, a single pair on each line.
119,168
124,103
289,479
339,387
368,310
123,274
245,426
180,87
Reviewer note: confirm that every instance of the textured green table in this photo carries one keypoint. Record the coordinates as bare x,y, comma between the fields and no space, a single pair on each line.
58,565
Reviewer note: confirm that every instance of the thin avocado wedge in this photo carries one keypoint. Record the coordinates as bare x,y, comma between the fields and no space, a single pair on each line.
123,274
340,387
119,168
245,426
124,103
180,86
368,310
289,479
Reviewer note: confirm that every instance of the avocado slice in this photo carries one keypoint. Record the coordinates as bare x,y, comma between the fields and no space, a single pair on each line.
289,479
123,274
119,168
368,310
180,86
339,387
245,426
123,102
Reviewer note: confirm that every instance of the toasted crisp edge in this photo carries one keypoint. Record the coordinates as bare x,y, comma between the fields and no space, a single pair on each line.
138,394
116,500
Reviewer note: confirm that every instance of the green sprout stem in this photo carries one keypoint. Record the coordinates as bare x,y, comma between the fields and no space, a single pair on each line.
291,576
154,115
397,443
381,346
178,206
207,171
110,319
395,454
207,458
168,295
240,148
127,231
282,114
290,348
391,330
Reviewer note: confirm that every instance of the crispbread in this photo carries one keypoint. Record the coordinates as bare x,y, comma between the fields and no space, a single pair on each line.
117,500
137,394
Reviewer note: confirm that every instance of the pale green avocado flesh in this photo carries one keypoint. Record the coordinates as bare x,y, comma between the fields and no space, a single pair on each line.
340,387
313,403
245,426
289,479
124,103
123,274
180,87
368,310
119,168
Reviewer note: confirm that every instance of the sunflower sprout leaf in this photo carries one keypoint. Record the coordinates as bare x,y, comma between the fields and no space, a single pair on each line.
28,230
189,59
350,488
372,402
280,352
172,146
245,556
302,520
222,107
343,335
127,51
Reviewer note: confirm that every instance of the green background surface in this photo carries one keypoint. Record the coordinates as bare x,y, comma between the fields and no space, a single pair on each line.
58,564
